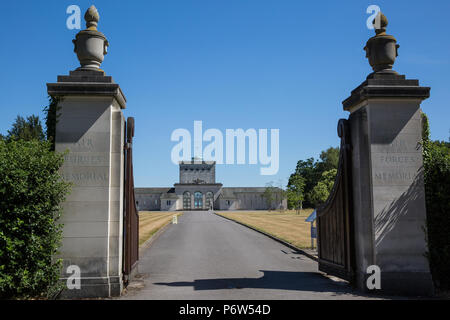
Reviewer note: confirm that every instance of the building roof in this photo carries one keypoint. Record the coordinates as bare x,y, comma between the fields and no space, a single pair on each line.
245,189
152,190
197,161
228,194
169,196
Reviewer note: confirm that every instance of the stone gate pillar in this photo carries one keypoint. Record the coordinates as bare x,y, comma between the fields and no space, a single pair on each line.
388,197
91,129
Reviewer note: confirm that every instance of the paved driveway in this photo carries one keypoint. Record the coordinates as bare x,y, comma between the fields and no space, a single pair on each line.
205,256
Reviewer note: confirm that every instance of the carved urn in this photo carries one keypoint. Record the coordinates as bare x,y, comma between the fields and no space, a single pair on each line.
382,49
90,44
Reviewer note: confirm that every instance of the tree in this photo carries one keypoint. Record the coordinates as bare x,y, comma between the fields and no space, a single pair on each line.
269,194
312,170
329,159
306,169
296,192
29,129
281,194
436,163
51,118
321,191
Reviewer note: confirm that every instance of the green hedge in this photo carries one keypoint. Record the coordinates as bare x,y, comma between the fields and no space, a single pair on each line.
31,191
436,156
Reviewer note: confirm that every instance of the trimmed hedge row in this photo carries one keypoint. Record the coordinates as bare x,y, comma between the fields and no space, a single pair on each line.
31,191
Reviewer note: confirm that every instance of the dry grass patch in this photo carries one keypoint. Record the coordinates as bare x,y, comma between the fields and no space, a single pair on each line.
286,225
151,221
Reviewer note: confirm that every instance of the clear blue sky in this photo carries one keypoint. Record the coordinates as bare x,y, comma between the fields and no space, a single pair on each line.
283,64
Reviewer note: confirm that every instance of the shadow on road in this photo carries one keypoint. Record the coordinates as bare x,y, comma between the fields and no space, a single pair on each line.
280,280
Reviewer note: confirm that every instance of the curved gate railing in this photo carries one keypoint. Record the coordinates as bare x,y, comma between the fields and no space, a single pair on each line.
335,241
131,217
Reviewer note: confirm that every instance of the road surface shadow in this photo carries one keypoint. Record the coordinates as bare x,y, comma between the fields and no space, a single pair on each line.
277,280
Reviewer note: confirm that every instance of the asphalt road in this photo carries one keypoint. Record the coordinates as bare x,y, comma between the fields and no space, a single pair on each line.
205,256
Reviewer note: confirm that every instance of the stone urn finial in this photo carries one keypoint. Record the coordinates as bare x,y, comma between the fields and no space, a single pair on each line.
90,44
382,21
382,49
92,17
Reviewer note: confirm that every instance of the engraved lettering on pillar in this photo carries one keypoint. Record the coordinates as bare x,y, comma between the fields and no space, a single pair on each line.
396,163
87,163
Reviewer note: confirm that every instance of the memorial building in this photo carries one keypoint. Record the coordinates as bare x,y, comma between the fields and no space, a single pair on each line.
197,189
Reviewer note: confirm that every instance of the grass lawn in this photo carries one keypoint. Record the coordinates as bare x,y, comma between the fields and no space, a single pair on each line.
151,221
287,225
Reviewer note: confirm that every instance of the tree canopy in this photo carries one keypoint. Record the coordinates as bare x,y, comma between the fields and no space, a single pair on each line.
31,195
26,129
436,163
316,185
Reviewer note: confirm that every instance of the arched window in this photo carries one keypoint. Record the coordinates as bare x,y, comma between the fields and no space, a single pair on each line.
209,200
187,200
198,200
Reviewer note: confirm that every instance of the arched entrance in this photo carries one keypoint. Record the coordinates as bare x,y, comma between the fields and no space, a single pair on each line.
187,200
209,200
198,200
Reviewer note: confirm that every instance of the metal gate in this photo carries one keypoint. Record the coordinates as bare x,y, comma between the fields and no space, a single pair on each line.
131,217
335,241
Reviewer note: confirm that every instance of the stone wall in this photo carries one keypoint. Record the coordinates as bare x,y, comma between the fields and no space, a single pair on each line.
247,198
149,199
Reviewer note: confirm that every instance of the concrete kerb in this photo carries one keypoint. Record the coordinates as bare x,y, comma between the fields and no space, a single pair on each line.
287,244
